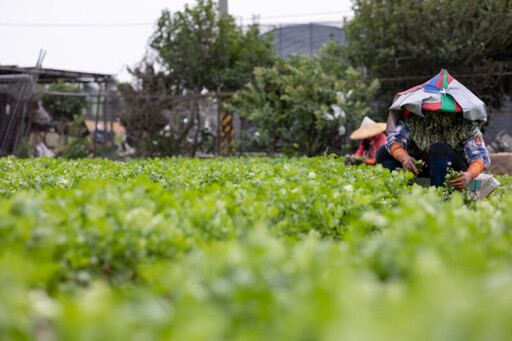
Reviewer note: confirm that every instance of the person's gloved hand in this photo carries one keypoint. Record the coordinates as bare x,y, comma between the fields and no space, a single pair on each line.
401,155
471,173
358,159
461,182
408,164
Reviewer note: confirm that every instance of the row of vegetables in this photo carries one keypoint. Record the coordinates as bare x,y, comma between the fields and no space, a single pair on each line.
247,248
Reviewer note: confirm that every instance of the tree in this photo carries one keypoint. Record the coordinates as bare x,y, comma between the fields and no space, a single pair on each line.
198,50
418,38
64,107
297,104
247,51
263,108
145,102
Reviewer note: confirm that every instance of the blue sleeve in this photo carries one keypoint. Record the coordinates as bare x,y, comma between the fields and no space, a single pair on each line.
475,150
400,134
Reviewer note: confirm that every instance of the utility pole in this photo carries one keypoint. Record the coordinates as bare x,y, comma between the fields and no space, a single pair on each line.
223,6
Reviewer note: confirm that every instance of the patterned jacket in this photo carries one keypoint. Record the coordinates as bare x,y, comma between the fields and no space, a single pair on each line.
417,134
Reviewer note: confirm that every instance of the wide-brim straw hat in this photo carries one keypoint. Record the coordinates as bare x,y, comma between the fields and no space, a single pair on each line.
369,128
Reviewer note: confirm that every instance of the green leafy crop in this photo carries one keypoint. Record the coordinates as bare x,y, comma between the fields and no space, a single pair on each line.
249,249
419,164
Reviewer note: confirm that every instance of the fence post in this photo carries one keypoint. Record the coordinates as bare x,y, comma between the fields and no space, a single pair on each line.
219,112
96,120
227,134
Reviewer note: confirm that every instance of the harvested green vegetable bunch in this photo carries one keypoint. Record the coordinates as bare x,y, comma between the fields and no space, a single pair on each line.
448,188
451,175
419,164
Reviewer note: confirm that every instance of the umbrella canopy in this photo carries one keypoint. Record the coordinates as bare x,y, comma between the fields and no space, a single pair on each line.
441,93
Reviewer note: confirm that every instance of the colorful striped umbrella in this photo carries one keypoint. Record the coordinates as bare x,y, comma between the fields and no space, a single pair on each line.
441,93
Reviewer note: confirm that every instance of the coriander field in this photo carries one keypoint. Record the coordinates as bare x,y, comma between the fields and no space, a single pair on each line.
247,249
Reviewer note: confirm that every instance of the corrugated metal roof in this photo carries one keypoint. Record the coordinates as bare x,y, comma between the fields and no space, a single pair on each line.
51,75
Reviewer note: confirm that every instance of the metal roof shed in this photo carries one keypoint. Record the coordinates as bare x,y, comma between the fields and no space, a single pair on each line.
17,89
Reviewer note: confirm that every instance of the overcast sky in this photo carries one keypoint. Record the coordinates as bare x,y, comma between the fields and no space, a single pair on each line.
106,36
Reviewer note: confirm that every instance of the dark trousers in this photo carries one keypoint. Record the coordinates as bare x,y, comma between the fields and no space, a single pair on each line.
440,158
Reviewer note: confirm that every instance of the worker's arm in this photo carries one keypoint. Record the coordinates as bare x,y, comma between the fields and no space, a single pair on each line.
474,169
475,150
400,154
479,159
396,142
400,134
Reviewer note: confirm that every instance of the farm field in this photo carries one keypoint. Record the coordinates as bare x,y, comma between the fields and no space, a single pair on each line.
247,249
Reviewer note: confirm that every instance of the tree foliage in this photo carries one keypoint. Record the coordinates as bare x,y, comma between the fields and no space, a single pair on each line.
419,38
201,49
196,50
145,101
301,103
64,106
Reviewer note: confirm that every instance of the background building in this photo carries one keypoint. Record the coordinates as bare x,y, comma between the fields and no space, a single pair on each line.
304,38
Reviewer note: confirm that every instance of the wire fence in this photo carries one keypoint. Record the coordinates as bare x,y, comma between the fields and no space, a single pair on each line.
165,118
162,119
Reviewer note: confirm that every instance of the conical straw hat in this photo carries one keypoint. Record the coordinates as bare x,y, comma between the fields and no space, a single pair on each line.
368,129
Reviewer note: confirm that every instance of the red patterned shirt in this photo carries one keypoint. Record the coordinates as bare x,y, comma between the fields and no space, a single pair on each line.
375,143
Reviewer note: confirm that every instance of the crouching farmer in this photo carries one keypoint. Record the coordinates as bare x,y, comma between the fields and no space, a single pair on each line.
438,122
372,137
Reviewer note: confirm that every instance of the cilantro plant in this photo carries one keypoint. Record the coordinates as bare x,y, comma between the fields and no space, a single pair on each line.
247,248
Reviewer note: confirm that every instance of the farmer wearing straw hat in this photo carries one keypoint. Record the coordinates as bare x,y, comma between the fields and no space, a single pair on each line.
371,136
437,121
